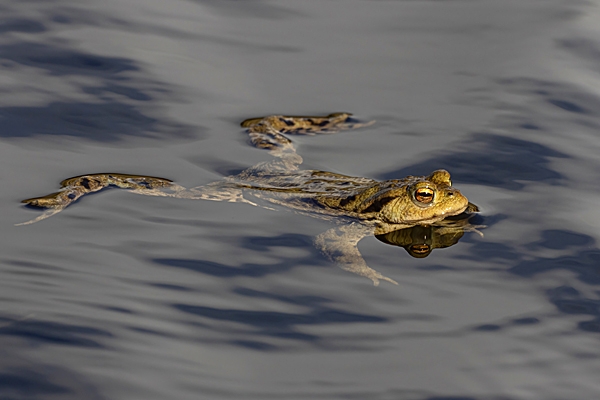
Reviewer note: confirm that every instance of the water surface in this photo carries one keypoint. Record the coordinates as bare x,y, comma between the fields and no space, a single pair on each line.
131,297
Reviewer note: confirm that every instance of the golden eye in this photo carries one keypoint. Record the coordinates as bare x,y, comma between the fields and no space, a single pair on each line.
424,195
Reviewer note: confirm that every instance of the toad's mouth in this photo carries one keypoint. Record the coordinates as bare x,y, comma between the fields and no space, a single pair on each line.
438,216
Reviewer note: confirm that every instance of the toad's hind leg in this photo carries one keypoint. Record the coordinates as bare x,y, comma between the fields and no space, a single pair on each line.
340,245
74,188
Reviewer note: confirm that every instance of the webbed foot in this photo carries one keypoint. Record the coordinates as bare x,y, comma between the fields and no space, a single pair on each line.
340,245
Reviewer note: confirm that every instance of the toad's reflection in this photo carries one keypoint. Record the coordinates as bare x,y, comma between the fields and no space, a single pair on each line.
420,240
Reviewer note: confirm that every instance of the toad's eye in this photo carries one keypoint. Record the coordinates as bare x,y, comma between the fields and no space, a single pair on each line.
424,195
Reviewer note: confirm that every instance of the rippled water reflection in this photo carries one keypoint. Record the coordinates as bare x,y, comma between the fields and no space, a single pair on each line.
134,297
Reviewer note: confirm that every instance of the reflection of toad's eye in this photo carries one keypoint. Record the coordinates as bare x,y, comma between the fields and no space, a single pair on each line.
424,195
419,250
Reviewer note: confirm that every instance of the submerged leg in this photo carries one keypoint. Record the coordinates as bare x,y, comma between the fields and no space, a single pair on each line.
215,191
340,245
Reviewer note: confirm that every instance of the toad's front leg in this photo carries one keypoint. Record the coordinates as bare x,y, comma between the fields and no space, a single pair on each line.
340,245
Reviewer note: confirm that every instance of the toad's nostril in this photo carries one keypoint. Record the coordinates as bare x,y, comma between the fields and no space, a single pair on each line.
450,194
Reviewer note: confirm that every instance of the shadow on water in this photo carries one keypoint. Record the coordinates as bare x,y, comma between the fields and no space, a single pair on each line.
277,330
548,97
22,25
23,382
583,48
121,92
261,244
493,160
41,332
279,324
44,382
105,122
22,378
63,61
259,323
583,262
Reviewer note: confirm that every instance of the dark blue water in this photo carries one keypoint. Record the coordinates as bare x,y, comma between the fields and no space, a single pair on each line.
135,297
